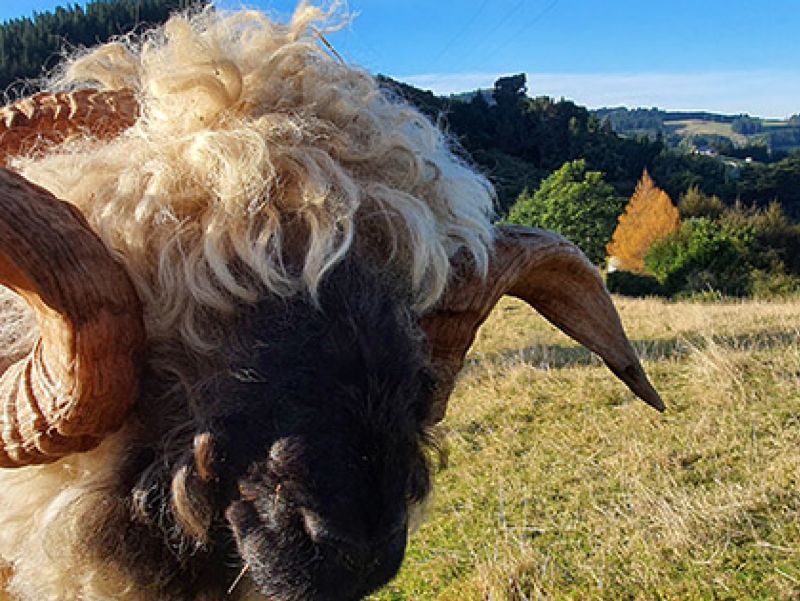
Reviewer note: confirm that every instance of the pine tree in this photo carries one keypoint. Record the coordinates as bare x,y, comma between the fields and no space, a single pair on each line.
649,216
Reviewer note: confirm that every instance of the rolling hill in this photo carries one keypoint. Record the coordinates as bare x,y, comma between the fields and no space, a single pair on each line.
706,131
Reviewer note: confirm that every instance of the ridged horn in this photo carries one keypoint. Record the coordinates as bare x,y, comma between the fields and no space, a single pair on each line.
554,277
80,378
46,118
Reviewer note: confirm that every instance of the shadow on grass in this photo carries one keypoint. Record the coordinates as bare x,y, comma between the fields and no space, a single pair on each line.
556,356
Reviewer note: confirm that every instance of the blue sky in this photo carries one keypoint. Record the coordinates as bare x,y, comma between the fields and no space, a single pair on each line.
727,56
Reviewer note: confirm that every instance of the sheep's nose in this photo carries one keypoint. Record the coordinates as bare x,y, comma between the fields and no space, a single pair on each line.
361,556
359,560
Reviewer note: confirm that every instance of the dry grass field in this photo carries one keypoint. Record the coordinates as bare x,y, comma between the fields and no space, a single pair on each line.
695,127
561,485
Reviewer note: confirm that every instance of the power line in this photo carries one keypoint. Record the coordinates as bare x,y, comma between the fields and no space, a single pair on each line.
461,31
502,21
526,27
493,30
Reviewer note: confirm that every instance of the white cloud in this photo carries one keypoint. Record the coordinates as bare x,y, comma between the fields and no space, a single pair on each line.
761,93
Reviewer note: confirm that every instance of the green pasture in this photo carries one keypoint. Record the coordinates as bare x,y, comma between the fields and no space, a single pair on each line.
561,485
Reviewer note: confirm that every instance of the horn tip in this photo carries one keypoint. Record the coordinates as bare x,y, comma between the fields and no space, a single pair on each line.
655,402
636,380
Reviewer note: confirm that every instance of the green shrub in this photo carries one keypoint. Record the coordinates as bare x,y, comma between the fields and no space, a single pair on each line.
771,239
701,256
694,203
774,284
632,284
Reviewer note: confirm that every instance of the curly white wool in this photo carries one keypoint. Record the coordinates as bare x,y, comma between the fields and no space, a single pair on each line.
257,160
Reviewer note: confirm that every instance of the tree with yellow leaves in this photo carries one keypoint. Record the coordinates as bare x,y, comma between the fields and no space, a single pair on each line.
649,216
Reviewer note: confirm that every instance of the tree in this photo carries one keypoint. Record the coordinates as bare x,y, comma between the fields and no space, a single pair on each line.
745,124
510,92
649,216
511,129
694,203
574,202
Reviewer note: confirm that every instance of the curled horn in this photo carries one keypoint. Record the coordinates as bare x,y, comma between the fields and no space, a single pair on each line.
47,118
80,378
553,276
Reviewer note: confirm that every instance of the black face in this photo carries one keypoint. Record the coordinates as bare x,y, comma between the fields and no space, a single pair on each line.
327,449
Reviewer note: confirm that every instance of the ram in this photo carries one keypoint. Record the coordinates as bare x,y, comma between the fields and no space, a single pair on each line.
239,282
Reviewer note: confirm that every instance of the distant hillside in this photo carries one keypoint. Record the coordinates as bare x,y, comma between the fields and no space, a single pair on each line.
30,46
706,131
518,140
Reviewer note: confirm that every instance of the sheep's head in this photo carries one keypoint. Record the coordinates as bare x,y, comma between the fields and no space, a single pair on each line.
317,446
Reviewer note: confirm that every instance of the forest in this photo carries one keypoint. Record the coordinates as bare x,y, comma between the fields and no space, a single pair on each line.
519,140
537,149
30,46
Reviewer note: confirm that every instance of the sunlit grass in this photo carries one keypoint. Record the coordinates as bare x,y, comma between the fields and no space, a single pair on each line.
696,127
561,485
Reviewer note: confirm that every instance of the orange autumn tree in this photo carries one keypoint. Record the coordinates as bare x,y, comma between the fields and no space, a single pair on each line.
649,216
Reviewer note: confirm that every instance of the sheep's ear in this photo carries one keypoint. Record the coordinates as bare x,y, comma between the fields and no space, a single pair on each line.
553,276
81,376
